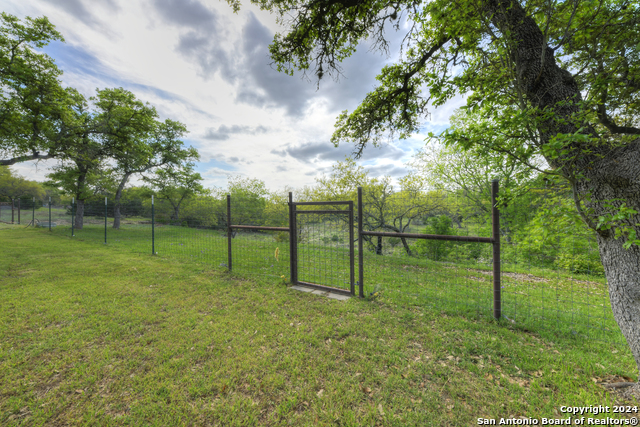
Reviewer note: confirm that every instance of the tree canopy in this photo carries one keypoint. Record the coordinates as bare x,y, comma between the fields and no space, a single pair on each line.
32,100
14,186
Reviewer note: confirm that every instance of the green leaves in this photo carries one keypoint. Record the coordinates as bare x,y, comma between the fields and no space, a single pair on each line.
14,186
32,100
620,219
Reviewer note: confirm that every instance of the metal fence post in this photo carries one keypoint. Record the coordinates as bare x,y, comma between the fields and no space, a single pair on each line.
18,211
291,237
294,239
105,220
49,213
73,204
153,228
13,206
360,251
229,257
351,275
497,294
33,213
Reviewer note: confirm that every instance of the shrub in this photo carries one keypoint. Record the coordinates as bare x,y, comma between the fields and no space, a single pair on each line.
436,250
281,236
394,241
580,264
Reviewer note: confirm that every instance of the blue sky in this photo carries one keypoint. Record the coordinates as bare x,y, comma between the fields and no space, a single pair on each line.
199,63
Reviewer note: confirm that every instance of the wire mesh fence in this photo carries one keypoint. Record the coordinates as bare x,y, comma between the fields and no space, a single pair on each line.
553,277
33,211
550,276
195,230
447,275
260,243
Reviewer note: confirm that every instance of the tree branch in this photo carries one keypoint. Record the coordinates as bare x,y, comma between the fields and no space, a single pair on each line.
26,158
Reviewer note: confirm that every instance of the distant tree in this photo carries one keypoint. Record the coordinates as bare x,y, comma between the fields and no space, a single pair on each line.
469,172
14,186
114,125
384,209
436,250
161,147
175,185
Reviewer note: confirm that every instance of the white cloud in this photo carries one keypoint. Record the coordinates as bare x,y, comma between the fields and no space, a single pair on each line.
199,63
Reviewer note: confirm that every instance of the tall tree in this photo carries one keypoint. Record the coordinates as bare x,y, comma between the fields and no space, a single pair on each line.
176,184
111,126
162,147
32,100
557,79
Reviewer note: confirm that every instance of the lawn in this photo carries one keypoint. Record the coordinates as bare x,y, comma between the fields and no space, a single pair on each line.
99,335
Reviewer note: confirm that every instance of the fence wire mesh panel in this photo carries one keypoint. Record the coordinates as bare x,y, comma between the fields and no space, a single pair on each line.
5,212
193,229
46,215
448,275
324,247
94,221
257,251
553,277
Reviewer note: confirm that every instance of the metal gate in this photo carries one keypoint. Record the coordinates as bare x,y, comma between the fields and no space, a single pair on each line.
300,266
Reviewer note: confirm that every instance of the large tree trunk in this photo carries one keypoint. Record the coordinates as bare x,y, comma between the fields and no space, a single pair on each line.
622,269
116,206
82,179
176,215
79,214
599,176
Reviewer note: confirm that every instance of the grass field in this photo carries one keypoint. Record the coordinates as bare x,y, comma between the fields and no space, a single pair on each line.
95,335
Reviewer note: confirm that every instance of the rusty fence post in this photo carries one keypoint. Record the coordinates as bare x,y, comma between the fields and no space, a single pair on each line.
229,258
293,226
291,237
497,293
360,251
351,251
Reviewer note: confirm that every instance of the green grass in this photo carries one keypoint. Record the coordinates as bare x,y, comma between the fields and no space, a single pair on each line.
95,335
547,301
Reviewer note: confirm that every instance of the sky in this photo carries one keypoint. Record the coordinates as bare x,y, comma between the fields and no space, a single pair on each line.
199,63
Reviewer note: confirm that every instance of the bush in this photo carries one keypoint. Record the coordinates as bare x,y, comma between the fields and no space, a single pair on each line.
436,250
580,264
394,241
281,236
